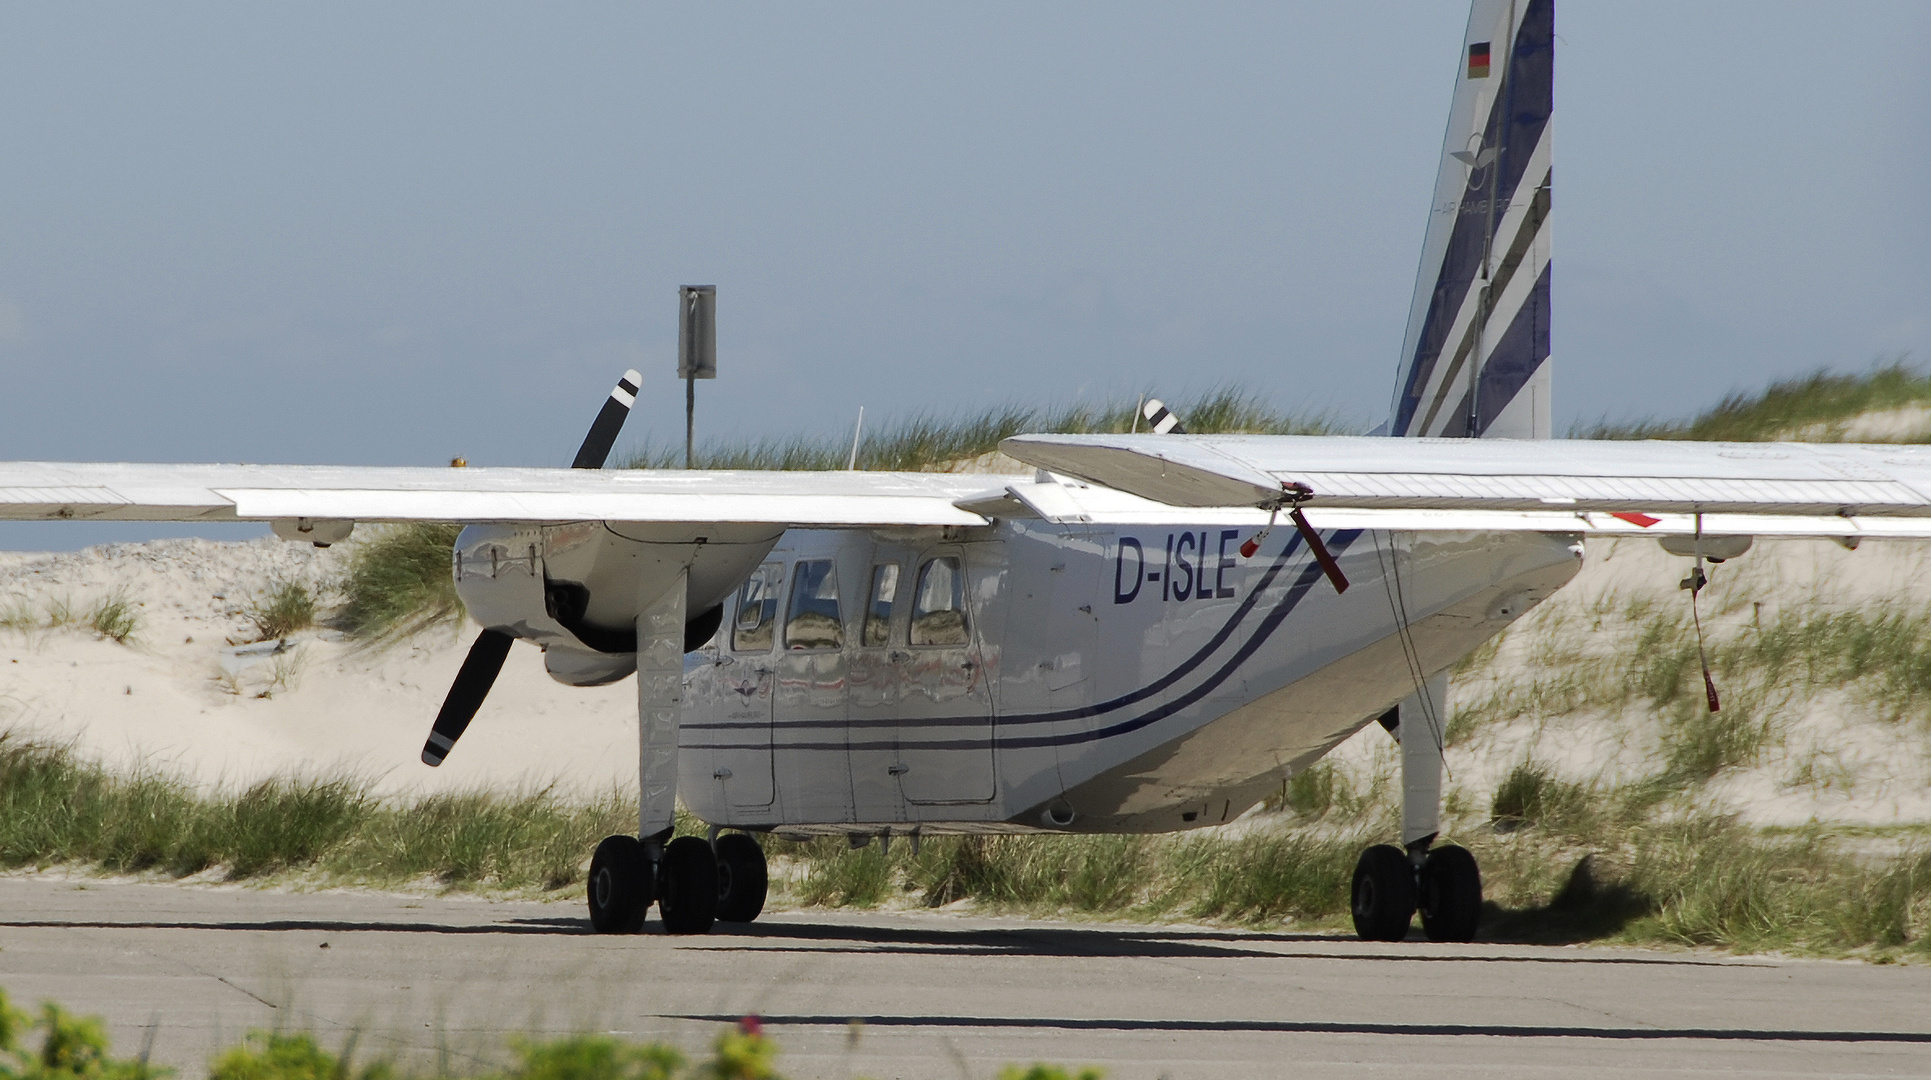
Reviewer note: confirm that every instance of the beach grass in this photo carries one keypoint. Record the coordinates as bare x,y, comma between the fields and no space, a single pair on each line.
288,607
1817,407
1657,871
399,582
925,442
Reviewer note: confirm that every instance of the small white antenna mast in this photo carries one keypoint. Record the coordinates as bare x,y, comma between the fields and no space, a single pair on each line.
857,430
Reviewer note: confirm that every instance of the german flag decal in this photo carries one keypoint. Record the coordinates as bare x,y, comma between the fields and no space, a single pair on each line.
1478,60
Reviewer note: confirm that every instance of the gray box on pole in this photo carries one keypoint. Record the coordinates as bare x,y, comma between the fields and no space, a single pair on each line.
697,332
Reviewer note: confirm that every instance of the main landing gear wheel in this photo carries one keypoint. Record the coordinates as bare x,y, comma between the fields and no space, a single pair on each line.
741,878
1451,894
619,886
687,886
1383,900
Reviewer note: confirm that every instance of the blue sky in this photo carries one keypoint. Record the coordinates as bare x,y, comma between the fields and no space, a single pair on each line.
387,234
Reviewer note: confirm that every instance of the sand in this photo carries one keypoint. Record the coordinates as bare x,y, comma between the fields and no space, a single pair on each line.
166,700
176,699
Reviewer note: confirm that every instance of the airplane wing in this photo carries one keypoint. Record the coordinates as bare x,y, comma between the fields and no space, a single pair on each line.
32,490
1558,485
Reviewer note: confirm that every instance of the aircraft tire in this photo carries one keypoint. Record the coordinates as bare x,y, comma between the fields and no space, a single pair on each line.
618,886
687,886
742,879
1451,894
1383,897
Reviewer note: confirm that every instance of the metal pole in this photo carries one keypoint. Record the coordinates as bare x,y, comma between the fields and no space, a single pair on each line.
690,418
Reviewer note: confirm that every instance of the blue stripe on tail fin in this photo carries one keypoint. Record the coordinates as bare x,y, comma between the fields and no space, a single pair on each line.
1476,353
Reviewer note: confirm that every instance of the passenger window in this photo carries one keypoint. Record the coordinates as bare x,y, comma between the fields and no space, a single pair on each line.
813,622
878,615
938,606
757,609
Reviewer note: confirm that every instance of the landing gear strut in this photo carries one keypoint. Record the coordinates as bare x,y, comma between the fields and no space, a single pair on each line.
1443,883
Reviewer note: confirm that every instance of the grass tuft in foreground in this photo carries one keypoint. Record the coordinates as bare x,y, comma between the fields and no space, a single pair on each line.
77,1048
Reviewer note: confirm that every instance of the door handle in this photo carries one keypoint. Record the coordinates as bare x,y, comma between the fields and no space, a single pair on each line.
969,665
721,774
896,657
899,769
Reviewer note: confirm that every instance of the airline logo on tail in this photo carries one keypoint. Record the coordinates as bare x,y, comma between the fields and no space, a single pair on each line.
1475,359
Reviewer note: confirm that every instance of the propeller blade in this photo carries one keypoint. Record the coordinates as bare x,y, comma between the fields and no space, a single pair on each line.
1162,420
610,420
472,685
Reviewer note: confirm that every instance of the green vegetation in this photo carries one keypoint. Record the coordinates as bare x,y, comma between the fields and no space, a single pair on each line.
1655,870
1818,407
55,808
399,582
926,442
77,1048
113,617
288,607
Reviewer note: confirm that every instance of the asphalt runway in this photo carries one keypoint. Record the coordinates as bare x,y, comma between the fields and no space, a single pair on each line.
184,969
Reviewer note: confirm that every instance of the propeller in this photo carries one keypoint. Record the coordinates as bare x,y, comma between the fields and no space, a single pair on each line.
477,675
485,659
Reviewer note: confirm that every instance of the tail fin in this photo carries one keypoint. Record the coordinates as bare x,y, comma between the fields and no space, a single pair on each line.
1475,360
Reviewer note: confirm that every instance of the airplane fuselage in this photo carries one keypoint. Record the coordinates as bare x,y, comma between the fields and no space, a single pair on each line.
1081,676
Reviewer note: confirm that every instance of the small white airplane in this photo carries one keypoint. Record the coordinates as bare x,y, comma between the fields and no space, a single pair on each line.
1149,635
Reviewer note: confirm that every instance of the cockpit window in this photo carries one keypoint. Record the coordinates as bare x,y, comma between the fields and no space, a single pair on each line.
878,614
814,621
938,606
757,609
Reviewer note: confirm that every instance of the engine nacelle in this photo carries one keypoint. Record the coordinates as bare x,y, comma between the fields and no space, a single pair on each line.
580,587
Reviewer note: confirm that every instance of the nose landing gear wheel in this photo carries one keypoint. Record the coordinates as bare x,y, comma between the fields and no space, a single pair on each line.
619,886
1451,894
741,878
1383,900
687,889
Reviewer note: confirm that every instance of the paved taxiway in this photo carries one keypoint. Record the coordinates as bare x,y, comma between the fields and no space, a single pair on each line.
187,968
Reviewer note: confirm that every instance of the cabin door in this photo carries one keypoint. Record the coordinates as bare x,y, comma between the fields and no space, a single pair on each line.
945,751
742,761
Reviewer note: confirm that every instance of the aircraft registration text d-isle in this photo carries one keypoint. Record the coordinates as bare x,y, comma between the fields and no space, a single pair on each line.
1149,634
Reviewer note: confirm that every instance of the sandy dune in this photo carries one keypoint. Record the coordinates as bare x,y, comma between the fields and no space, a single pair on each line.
166,701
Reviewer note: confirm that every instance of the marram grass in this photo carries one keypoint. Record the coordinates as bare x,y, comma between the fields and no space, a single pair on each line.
1559,863
1813,408
929,441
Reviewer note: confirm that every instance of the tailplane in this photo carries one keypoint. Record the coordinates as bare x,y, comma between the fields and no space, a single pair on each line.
1475,360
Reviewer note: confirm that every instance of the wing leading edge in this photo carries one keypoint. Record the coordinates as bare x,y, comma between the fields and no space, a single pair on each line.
142,492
